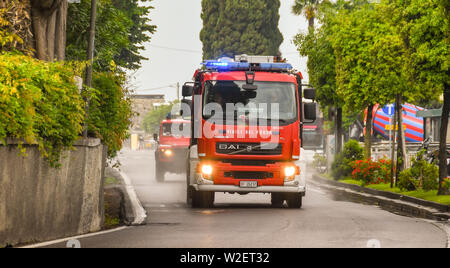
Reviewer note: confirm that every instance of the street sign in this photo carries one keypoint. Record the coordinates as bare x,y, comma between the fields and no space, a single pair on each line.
74,1
391,127
389,109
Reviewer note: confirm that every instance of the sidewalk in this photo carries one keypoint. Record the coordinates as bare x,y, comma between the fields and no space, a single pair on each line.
390,201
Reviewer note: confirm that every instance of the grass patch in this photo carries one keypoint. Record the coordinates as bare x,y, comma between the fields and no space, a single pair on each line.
111,217
421,194
111,222
350,181
430,196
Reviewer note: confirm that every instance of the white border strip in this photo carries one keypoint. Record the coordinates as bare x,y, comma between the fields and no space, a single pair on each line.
49,243
138,210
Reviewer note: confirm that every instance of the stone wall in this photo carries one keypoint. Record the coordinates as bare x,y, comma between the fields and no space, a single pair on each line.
39,203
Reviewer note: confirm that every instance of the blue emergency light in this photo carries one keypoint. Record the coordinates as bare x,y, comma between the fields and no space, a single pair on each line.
224,65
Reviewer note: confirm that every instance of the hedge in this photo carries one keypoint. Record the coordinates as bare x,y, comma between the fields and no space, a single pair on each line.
39,103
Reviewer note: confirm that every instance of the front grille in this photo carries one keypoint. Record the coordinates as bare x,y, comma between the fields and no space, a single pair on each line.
248,149
250,175
244,162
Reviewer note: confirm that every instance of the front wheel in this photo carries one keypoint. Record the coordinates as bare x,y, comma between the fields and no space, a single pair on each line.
294,200
202,199
277,200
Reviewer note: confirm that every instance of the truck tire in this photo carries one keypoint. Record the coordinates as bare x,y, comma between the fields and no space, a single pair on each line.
202,199
277,200
294,200
159,172
189,189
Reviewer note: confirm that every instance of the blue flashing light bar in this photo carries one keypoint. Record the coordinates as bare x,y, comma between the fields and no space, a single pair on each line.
276,66
224,66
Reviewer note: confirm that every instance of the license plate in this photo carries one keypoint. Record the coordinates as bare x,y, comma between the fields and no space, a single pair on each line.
249,184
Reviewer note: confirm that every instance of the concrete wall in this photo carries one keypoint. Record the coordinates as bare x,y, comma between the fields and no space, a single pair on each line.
40,203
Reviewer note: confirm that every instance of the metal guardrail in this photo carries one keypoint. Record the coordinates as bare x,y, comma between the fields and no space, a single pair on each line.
383,150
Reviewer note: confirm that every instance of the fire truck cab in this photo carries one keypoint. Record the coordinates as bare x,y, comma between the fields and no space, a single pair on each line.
247,120
172,148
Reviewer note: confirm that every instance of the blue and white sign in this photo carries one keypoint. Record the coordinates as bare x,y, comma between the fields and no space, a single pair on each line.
389,109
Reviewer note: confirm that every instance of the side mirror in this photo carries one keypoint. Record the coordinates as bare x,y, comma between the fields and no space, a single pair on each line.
309,93
187,102
309,110
182,109
155,137
187,91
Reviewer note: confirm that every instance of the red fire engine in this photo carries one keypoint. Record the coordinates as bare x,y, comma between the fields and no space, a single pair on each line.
172,149
247,121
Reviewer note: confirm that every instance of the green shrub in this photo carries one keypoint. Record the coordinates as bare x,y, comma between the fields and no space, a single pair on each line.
342,166
110,110
39,103
319,161
406,180
421,175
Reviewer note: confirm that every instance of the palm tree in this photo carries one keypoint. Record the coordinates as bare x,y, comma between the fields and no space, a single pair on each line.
309,8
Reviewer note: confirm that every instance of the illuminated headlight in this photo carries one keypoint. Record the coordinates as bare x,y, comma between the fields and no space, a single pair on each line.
289,171
207,170
168,153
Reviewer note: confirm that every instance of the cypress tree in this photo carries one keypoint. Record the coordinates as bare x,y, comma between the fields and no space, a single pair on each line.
233,27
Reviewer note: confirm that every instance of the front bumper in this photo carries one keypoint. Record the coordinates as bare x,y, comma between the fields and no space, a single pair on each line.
204,185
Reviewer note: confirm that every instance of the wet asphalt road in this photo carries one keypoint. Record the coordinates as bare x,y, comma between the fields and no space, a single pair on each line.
249,221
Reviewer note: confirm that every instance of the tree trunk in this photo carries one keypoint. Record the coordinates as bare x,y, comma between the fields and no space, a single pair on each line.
311,24
49,27
60,34
401,149
443,140
368,136
338,130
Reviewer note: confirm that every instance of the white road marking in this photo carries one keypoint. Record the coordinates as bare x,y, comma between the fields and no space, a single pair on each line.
49,243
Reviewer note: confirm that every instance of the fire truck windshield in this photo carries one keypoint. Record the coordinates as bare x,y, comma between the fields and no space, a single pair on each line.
176,130
271,101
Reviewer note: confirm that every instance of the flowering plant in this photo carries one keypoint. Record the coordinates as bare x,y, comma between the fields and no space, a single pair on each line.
445,184
372,172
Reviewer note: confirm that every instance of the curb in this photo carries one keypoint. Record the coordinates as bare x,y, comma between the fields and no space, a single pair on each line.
390,201
134,211
135,214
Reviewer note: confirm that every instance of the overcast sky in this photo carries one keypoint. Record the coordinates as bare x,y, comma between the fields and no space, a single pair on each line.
175,50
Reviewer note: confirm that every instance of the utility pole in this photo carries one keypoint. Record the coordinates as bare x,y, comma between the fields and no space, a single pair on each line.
90,58
178,90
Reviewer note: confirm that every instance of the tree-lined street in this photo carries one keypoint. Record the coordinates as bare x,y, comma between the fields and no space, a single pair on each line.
367,95
250,222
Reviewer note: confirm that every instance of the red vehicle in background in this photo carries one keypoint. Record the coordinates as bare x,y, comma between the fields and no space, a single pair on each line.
173,147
